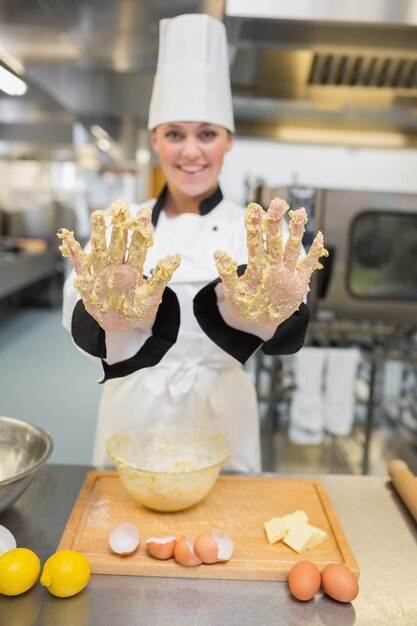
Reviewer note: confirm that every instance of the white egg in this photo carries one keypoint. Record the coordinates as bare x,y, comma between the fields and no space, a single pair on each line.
7,541
124,539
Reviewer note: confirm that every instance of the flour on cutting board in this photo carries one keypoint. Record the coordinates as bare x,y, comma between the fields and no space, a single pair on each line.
99,514
237,506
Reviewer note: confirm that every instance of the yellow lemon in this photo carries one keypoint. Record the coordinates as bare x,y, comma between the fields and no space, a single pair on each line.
65,573
19,571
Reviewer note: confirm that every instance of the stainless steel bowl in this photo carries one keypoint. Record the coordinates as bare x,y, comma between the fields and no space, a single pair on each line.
24,448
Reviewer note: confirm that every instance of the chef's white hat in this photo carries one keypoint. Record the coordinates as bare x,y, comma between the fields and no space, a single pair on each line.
192,82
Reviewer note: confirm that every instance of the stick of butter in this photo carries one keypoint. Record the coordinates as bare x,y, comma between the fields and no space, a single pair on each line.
303,536
277,527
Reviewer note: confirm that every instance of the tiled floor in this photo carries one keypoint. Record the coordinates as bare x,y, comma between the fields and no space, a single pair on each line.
45,380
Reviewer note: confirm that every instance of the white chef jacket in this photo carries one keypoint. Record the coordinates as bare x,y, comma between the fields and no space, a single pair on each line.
187,368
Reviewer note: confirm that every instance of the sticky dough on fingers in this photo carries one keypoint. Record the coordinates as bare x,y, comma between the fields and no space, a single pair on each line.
120,224
71,248
98,254
226,267
110,279
310,262
255,243
273,286
154,286
298,220
273,221
142,238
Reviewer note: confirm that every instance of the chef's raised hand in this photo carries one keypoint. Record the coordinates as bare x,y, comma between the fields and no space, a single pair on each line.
110,278
275,282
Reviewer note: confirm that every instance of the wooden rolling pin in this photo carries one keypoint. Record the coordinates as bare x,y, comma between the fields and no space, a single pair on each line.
405,484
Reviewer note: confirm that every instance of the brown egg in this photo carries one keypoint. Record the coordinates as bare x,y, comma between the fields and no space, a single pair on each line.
184,552
339,583
161,547
304,580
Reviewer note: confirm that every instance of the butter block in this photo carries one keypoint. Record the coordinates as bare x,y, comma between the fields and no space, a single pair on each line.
303,537
277,527
318,538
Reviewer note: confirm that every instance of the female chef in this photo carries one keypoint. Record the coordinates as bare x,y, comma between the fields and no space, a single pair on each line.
175,353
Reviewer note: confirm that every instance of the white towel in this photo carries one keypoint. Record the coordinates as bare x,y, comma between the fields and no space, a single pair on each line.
339,400
306,412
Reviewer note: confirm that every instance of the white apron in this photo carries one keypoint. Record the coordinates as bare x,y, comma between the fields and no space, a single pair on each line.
196,382
189,386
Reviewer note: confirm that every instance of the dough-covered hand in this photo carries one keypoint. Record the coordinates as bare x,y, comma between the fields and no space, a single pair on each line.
110,278
275,282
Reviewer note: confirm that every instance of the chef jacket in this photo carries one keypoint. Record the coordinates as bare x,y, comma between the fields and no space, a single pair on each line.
187,366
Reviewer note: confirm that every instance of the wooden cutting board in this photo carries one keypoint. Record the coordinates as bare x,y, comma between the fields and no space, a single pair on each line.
237,505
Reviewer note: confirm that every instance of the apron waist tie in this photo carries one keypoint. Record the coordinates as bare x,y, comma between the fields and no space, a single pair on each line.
197,376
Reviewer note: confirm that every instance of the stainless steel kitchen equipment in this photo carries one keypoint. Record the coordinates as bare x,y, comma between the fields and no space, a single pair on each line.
29,245
366,295
371,272
24,448
20,268
310,66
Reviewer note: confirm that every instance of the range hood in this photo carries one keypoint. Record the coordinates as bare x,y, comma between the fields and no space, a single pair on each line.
318,64
310,70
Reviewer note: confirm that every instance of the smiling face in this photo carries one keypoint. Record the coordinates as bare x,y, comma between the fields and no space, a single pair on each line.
191,156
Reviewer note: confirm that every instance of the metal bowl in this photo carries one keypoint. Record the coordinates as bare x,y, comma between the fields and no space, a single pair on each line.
24,448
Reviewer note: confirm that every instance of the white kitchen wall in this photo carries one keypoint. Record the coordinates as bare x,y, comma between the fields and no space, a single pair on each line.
325,167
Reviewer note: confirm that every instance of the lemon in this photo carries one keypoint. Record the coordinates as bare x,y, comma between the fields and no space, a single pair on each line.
19,571
65,573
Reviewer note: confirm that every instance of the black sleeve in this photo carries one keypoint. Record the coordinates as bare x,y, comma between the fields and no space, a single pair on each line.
87,333
288,338
90,337
290,335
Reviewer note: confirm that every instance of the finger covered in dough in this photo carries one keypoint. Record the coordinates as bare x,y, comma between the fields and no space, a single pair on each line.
275,282
226,267
98,254
117,251
310,262
120,225
162,273
110,277
71,248
142,238
273,222
298,220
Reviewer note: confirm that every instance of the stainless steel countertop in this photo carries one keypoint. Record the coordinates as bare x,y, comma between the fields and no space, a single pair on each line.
24,269
381,533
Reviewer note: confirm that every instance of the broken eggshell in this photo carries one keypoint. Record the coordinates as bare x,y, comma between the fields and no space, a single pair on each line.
161,547
7,540
184,552
213,547
124,539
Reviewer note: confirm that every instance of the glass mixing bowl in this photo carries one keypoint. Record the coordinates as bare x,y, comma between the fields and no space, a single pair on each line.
168,467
